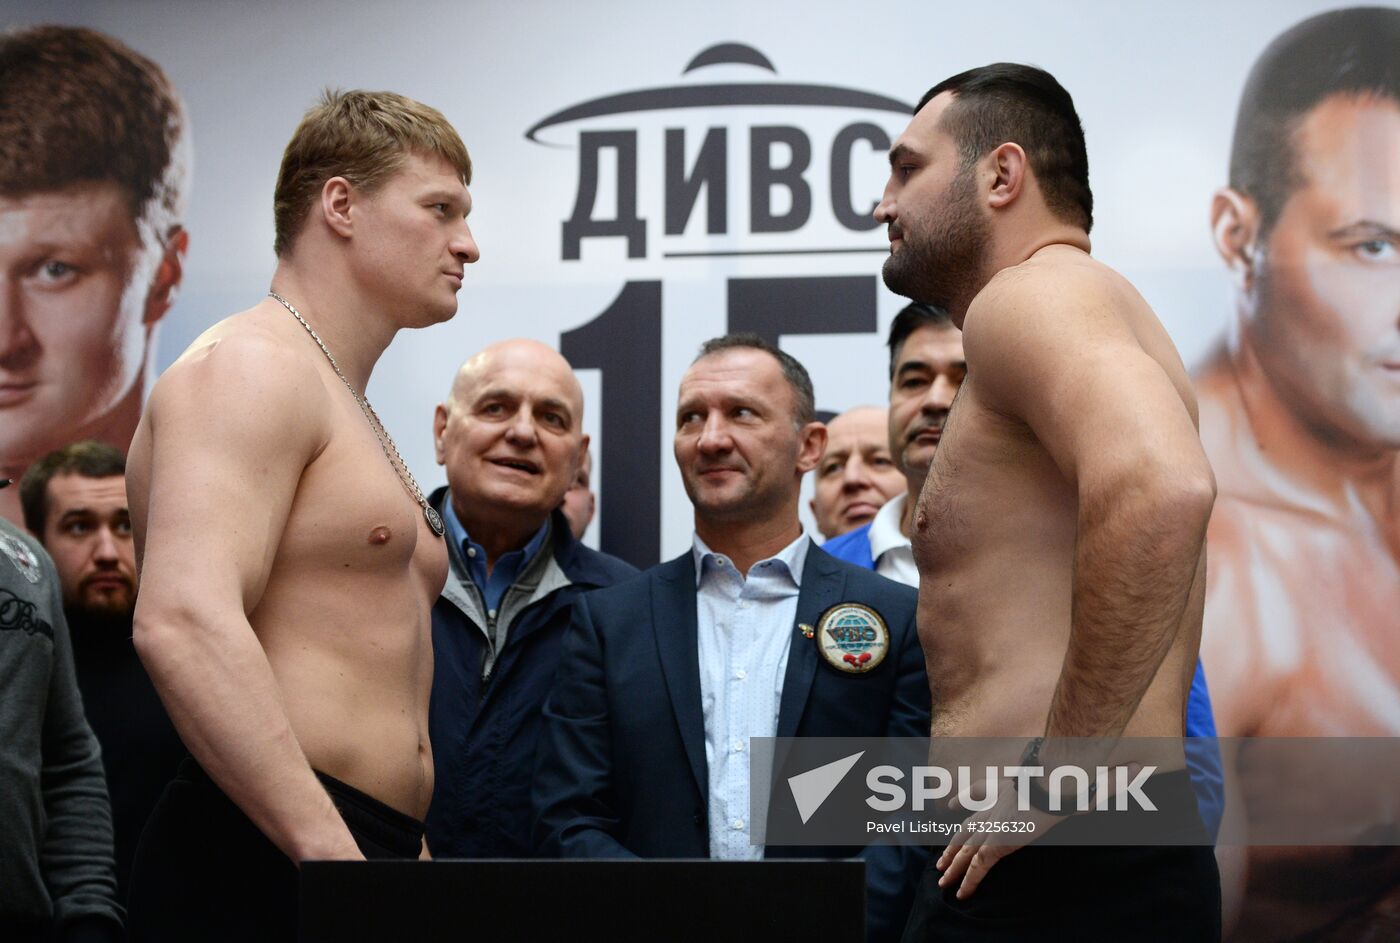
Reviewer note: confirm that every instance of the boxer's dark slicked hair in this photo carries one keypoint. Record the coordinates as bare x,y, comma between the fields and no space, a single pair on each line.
793,371
1353,53
910,318
1011,103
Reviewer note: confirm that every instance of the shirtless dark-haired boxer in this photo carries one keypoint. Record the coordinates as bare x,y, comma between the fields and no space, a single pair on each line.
1059,535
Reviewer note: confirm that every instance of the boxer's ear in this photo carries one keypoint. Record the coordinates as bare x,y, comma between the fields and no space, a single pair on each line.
337,197
1006,168
1234,225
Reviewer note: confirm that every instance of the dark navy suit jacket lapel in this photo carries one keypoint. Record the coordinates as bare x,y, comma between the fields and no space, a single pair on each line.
677,641
822,585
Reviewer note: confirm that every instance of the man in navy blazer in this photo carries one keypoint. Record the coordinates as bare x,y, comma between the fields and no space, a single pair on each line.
645,746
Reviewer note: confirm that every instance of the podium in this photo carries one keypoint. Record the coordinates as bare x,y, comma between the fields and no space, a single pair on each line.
615,900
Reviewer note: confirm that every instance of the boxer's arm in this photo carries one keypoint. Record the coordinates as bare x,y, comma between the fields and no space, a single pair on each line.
1051,352
231,429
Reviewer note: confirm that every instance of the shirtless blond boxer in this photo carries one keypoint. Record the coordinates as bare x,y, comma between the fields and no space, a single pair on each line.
1300,415
289,560
1059,536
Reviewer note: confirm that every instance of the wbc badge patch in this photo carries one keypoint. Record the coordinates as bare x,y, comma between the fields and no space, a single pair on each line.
852,638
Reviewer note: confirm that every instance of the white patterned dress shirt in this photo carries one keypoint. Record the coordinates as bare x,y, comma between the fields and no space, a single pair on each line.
746,628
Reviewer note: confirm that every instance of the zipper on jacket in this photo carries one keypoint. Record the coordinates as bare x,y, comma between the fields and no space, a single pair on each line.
488,669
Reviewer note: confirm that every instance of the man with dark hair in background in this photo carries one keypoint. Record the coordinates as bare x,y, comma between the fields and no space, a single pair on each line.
926,370
1060,534
56,880
94,178
856,474
1300,415
75,502
510,435
289,559
665,679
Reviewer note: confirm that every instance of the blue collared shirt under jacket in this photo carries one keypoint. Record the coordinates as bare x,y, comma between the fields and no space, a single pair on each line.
1202,749
502,576
490,683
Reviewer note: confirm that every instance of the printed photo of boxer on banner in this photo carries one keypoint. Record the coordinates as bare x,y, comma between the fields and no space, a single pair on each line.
94,180
1300,416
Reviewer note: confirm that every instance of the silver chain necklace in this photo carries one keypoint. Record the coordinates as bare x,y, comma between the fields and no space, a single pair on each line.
386,442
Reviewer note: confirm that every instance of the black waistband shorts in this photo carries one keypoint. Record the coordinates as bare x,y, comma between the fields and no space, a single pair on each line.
1087,893
203,870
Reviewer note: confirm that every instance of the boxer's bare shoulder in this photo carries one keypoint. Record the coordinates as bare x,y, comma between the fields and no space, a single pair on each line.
239,403
1062,321
249,349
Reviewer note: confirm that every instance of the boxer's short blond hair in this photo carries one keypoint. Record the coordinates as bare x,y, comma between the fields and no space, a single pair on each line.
364,137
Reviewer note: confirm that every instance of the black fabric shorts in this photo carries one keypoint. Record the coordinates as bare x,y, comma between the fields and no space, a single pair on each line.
1085,893
203,870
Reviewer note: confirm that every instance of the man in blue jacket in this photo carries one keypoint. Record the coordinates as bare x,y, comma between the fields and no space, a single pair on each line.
510,435
665,679
926,371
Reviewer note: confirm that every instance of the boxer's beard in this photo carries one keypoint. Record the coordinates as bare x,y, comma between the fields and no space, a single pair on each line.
940,260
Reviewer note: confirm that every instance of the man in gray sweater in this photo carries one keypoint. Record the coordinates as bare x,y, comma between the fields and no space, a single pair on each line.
56,874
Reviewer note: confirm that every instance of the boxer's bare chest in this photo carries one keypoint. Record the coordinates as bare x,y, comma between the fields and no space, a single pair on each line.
352,515
991,491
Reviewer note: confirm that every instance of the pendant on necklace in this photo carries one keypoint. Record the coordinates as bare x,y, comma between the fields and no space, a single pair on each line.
434,519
